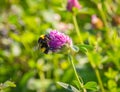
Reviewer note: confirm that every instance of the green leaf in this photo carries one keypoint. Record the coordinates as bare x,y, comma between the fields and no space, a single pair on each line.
112,85
91,85
15,37
85,48
26,77
76,83
68,87
75,48
95,58
111,73
9,84
96,1
85,11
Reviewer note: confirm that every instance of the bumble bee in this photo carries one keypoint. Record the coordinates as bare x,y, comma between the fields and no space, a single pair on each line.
43,43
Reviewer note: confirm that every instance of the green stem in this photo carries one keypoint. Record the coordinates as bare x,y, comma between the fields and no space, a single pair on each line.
76,75
56,77
103,15
99,79
77,28
96,72
41,74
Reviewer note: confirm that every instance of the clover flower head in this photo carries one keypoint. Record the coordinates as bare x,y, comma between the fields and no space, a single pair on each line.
73,3
58,40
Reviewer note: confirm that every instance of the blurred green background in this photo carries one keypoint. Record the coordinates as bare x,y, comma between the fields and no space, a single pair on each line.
23,21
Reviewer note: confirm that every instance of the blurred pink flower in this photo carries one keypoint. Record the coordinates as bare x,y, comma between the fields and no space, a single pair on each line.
94,19
116,20
63,27
73,3
96,22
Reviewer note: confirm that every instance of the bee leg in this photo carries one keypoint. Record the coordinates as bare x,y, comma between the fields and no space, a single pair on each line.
46,51
39,40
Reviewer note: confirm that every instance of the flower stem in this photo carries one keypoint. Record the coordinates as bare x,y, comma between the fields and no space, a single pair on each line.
76,75
99,5
77,28
41,74
55,58
103,16
99,80
94,66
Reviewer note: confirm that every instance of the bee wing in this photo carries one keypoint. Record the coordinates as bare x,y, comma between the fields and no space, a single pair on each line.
42,49
37,47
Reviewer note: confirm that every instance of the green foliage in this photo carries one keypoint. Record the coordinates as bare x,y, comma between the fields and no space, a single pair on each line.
6,85
68,87
91,85
97,59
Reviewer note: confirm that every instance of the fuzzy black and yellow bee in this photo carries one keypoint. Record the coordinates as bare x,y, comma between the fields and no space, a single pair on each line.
43,43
